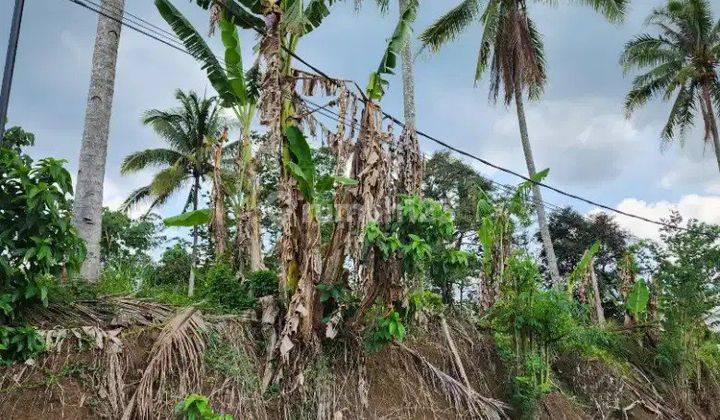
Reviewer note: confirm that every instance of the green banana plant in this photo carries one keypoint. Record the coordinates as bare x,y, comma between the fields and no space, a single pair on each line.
238,91
403,30
303,169
299,18
188,219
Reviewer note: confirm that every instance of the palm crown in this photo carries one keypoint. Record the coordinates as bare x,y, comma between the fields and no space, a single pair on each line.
189,131
681,61
511,45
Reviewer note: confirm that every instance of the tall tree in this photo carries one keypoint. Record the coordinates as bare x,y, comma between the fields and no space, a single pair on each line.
238,91
458,186
682,61
513,49
574,234
190,132
409,162
93,152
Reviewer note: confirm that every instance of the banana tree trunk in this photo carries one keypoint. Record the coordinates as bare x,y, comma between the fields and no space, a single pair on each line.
195,234
255,245
712,123
537,194
599,314
410,160
93,152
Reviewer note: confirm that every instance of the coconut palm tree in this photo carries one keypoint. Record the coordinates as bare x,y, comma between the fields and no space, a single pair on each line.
512,50
681,61
93,152
190,132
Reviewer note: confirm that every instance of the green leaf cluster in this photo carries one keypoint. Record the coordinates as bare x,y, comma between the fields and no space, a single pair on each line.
197,407
303,168
18,344
384,327
37,238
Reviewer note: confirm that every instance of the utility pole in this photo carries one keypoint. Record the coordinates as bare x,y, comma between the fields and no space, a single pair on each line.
10,64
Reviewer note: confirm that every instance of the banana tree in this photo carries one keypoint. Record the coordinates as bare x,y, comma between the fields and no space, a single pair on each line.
400,36
238,92
282,23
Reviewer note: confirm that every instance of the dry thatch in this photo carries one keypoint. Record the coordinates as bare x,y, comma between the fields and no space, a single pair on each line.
460,395
176,354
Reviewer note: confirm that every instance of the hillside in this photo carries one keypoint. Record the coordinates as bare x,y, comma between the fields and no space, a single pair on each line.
120,357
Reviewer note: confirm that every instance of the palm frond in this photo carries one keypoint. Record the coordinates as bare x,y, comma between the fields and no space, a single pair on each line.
170,126
449,26
165,182
536,80
135,198
490,19
646,86
646,51
681,115
150,157
177,353
613,10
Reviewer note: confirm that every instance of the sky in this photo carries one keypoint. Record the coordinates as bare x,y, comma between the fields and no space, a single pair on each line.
578,129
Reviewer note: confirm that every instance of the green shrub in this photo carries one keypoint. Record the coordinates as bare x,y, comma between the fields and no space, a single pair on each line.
37,237
223,290
528,387
124,276
262,283
174,268
18,344
383,328
197,407
170,295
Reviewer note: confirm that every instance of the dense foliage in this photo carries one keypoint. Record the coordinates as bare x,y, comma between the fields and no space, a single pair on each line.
38,244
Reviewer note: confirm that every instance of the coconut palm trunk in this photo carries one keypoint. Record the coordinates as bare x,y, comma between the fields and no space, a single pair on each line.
711,123
410,169
195,234
93,152
537,194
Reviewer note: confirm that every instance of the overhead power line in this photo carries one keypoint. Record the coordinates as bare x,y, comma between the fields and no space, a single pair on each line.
145,31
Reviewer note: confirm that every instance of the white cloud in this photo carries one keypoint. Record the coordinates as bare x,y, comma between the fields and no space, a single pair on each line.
693,166
705,208
114,193
583,142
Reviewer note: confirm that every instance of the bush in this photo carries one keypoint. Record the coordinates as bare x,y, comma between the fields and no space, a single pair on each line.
197,407
223,290
383,328
19,344
262,283
37,239
125,276
174,268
